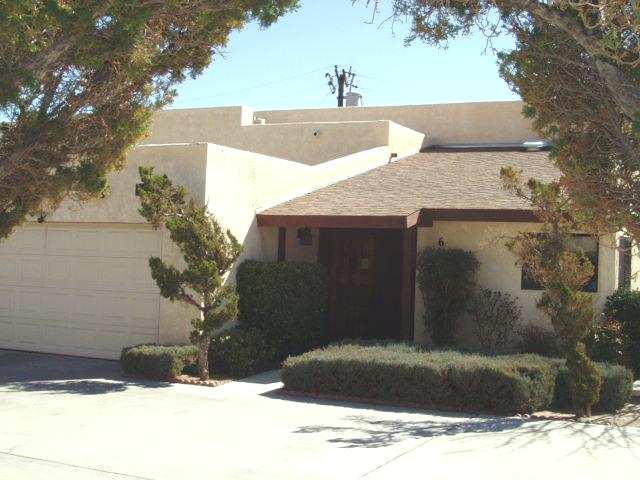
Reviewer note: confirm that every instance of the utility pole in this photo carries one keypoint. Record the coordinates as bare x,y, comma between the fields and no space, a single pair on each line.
339,81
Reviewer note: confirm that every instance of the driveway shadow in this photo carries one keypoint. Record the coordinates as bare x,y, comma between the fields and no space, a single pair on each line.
370,431
58,374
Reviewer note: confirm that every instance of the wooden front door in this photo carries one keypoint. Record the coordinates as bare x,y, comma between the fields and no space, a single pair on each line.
365,282
352,286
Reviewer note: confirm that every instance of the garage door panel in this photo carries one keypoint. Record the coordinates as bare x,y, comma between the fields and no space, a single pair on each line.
78,290
84,307
57,271
112,339
82,336
126,274
73,241
56,305
28,333
9,271
29,303
31,240
116,310
31,270
84,273
6,332
56,335
7,302
145,311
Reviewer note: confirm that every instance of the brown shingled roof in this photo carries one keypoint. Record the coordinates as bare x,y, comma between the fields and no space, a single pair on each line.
436,180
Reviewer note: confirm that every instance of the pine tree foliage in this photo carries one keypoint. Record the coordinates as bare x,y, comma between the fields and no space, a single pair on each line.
80,80
562,272
576,65
208,252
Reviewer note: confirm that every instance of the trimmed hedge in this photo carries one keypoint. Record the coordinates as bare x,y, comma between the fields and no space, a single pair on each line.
617,386
241,353
286,301
157,361
407,374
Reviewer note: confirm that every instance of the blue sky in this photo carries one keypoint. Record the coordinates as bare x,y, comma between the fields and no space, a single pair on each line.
284,65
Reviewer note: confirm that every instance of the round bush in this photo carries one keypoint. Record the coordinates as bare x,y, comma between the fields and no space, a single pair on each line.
241,353
617,386
157,361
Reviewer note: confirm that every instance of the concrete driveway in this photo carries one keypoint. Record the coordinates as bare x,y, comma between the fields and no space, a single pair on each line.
67,418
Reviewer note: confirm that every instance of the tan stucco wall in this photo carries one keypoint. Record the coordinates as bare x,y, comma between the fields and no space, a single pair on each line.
310,143
498,270
635,268
295,252
185,165
452,123
193,125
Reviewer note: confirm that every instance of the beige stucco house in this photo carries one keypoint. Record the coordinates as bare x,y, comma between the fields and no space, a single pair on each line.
361,190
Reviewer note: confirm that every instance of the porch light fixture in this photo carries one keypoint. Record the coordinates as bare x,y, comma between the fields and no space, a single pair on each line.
305,237
441,242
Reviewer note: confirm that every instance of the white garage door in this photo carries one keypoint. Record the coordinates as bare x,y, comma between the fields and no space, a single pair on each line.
78,290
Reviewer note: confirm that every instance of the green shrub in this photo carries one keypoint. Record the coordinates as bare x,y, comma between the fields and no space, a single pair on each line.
241,353
605,342
538,341
624,307
617,386
286,301
157,361
495,316
446,277
406,374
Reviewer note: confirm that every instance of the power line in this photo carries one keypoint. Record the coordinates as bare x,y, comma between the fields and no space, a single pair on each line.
255,87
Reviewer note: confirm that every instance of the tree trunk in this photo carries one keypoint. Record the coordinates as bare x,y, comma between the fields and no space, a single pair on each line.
203,357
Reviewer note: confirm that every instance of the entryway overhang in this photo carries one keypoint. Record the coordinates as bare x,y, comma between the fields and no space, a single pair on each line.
422,218
339,221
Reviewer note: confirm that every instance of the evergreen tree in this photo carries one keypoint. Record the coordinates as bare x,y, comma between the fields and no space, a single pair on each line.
208,252
562,272
80,80
576,65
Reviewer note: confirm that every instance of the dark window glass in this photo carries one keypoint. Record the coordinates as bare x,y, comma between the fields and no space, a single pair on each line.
586,243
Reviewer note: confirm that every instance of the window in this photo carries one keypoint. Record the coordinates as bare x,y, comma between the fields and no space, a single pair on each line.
589,245
624,263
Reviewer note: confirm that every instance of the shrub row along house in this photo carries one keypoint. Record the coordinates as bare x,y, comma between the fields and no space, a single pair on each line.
360,190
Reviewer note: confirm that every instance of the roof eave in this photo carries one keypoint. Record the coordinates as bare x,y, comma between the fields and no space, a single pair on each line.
422,218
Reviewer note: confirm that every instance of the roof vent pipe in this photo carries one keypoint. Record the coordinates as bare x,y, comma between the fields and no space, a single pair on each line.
536,145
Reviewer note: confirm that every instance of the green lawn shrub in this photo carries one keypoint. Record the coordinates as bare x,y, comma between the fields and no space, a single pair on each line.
538,341
241,353
406,374
605,342
623,306
286,302
617,386
157,361
446,277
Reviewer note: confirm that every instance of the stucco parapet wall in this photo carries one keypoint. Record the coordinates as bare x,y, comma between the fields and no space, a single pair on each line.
185,163
446,123
222,177
309,143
